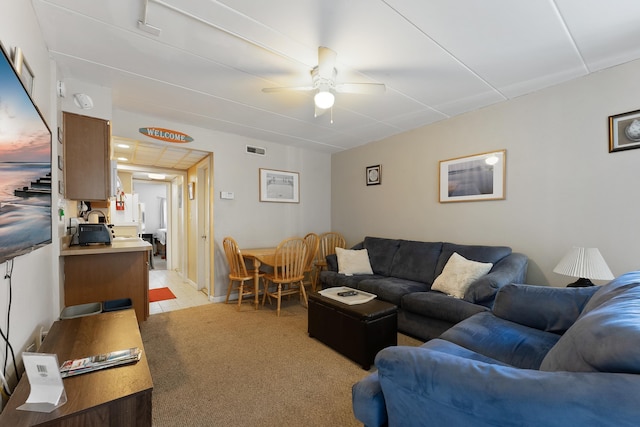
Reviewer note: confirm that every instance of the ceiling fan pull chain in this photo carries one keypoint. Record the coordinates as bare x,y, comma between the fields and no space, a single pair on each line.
331,112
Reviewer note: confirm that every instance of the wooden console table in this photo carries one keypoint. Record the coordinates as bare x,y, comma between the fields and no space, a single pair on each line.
119,396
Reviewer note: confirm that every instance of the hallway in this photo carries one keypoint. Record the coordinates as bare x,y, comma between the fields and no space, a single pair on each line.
186,295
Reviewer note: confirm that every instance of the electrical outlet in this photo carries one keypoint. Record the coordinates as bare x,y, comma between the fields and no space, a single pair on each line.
227,195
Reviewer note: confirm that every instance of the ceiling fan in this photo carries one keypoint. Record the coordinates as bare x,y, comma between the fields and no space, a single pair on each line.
323,78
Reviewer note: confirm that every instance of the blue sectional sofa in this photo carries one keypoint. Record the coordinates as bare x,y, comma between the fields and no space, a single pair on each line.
543,357
404,270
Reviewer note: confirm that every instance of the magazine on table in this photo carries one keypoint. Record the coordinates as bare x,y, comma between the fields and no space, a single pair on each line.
100,361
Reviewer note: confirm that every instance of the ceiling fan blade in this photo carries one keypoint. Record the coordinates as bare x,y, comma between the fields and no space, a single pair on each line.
363,88
288,89
326,62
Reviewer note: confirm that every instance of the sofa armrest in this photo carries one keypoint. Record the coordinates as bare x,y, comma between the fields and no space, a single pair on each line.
542,307
368,401
424,387
510,269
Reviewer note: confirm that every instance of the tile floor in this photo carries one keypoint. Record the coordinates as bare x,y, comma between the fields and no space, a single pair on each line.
186,294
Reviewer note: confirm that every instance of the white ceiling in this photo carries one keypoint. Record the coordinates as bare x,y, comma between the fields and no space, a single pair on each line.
437,58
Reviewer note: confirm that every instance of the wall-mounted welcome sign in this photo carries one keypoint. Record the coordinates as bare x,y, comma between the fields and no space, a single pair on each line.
166,135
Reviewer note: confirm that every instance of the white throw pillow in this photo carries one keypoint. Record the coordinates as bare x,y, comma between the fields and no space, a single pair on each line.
459,274
352,261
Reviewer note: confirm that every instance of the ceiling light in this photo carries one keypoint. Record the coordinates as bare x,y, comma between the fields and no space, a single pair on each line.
123,146
156,176
324,99
123,159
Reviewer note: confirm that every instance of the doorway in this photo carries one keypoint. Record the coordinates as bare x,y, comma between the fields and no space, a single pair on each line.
188,220
153,196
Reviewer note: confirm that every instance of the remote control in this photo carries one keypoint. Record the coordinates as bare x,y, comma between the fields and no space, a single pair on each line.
347,293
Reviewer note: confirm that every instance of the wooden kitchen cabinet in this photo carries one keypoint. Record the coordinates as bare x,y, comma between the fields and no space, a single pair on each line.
98,274
87,165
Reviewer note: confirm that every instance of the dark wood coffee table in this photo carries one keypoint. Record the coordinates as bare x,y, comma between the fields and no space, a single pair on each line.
356,331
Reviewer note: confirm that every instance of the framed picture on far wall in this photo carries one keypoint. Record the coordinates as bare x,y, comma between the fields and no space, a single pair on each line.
279,186
624,131
472,178
373,175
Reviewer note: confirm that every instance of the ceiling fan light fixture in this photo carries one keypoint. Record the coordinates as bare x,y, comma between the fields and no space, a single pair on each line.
324,99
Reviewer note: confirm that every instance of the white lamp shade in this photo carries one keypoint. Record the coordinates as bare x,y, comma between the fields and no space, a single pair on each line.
584,263
324,100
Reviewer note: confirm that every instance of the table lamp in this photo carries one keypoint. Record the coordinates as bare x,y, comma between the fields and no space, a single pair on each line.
584,263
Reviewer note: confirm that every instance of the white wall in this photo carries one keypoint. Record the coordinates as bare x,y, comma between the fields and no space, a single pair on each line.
35,281
563,187
150,193
251,222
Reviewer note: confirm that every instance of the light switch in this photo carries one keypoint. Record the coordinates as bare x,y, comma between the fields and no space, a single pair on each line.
227,195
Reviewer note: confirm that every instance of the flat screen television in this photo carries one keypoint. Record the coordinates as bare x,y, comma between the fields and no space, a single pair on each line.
25,168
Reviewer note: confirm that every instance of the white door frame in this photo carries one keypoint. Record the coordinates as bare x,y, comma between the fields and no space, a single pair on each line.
204,215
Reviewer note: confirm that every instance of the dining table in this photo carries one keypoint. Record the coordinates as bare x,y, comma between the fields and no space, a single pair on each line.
259,257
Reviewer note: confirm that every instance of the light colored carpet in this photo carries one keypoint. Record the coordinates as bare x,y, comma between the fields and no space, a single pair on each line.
214,366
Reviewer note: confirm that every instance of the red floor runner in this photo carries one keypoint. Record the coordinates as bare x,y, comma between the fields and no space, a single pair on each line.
160,294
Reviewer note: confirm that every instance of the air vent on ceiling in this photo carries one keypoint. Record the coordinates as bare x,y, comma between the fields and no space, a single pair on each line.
256,150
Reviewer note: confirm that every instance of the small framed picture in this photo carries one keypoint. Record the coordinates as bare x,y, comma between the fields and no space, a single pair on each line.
373,175
192,190
624,131
23,70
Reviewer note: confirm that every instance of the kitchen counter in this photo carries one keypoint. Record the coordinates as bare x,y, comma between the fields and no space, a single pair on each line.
108,272
118,245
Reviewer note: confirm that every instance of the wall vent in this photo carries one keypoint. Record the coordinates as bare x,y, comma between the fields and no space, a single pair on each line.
256,150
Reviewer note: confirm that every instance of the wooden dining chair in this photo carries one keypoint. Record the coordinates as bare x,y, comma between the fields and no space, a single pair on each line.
313,242
328,244
288,272
238,272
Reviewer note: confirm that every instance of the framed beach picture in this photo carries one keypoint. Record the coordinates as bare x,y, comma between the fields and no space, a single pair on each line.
25,168
624,131
279,186
473,178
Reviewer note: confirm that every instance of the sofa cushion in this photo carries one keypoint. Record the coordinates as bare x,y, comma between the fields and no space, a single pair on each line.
508,342
604,339
459,274
452,349
381,253
542,307
391,289
416,261
612,289
437,305
491,254
353,261
333,279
